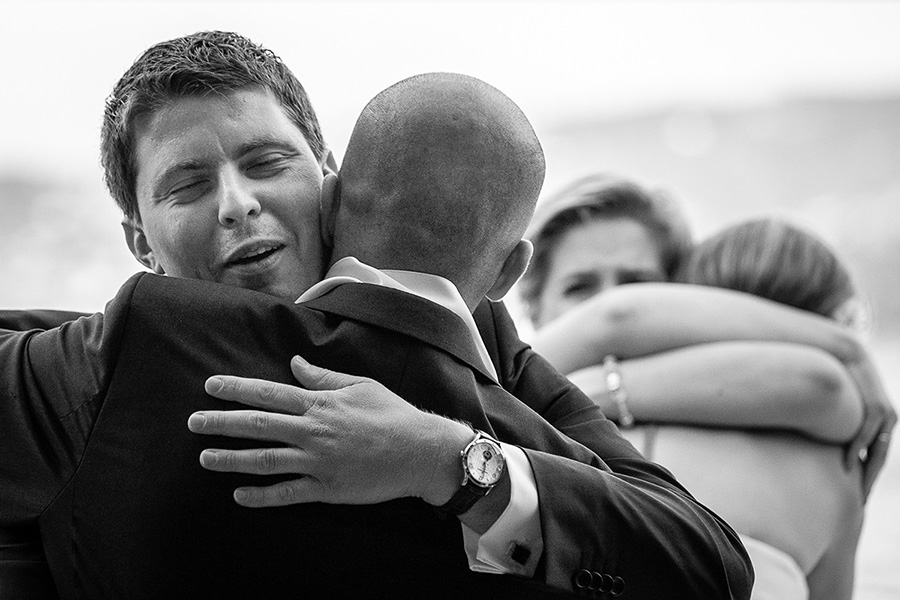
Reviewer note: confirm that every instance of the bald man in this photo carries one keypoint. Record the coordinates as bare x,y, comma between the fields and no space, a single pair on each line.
134,518
437,185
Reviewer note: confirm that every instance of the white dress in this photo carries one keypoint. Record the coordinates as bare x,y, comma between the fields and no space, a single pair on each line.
778,576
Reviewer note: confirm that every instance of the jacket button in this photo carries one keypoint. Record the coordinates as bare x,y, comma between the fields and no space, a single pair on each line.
596,581
618,586
606,584
582,579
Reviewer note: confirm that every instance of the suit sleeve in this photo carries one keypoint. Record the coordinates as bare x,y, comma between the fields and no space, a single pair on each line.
632,529
23,320
52,385
24,572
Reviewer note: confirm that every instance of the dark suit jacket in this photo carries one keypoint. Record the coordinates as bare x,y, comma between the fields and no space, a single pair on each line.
22,320
100,458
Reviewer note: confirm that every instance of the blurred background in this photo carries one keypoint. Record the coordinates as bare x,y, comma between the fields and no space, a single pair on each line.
738,108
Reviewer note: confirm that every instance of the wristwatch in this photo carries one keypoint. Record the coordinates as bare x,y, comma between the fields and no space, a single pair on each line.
483,464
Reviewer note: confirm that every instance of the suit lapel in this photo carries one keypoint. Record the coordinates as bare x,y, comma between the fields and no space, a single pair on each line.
404,313
484,320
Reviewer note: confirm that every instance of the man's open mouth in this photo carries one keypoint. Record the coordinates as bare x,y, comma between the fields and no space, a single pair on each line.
255,255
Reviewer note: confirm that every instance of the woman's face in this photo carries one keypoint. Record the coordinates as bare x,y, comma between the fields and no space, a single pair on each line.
594,256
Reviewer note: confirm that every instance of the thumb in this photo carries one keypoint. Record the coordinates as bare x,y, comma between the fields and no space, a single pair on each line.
312,377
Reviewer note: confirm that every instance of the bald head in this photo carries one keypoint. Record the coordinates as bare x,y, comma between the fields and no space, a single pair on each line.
441,175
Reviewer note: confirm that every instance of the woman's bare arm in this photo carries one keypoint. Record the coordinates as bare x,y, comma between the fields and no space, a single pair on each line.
752,385
643,319
647,318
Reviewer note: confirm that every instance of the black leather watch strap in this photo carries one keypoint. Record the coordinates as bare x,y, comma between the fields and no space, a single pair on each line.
470,491
464,498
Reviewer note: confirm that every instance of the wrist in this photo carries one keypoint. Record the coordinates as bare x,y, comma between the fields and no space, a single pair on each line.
483,467
448,439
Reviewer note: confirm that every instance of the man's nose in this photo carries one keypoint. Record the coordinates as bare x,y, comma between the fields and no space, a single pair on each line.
237,202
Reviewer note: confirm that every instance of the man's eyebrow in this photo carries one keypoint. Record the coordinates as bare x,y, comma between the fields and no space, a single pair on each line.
244,149
185,165
265,142
170,171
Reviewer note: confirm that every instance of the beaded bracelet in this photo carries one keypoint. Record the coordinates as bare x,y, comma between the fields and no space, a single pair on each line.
616,391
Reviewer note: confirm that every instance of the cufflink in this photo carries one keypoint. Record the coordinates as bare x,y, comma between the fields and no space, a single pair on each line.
519,553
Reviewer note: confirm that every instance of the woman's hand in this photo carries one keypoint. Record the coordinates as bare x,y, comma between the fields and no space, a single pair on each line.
874,437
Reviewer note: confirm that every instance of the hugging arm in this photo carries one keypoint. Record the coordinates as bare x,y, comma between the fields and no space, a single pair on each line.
770,385
644,319
629,521
23,320
24,573
607,515
641,319
49,379
332,423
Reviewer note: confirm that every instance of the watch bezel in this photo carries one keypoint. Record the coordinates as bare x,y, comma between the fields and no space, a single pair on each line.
482,439
471,490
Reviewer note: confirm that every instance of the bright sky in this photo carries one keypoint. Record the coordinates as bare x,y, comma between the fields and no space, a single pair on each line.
557,59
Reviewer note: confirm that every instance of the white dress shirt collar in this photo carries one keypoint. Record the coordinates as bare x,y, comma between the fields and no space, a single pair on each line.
435,288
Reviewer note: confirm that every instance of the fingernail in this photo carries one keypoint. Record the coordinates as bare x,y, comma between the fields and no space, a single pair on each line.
241,496
208,458
300,360
196,421
214,384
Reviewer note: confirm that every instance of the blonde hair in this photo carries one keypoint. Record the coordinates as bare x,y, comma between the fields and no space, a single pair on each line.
772,259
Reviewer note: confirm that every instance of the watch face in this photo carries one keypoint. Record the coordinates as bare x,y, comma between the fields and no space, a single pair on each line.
484,463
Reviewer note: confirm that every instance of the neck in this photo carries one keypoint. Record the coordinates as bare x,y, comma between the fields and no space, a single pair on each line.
470,296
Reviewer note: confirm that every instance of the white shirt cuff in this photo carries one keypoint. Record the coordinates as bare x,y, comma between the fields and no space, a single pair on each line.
514,543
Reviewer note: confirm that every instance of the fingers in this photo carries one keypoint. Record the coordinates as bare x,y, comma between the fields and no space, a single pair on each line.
258,461
859,445
263,394
281,397
876,457
250,424
305,489
872,421
312,377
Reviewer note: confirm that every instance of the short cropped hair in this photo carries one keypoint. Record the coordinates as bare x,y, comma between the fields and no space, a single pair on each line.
197,65
773,259
603,197
458,160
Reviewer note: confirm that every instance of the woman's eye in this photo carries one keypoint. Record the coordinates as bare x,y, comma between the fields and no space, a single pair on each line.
577,289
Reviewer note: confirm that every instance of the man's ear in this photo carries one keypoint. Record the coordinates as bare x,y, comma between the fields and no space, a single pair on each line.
137,243
329,163
513,268
329,201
